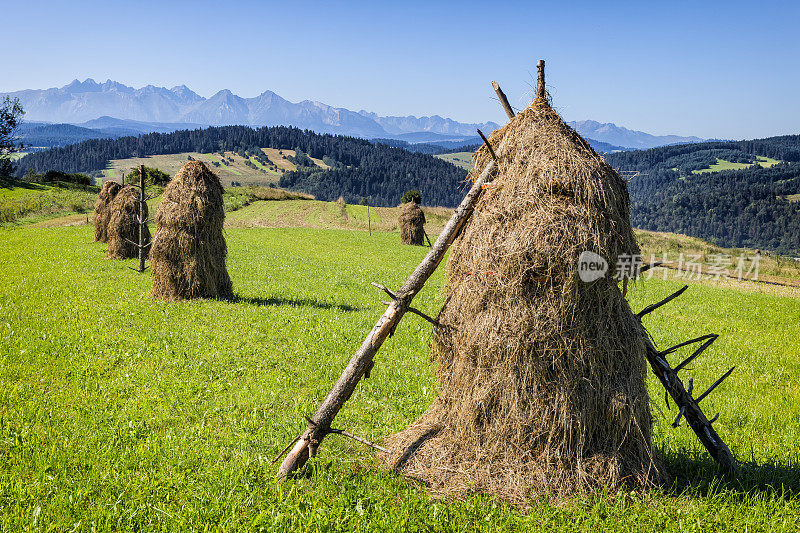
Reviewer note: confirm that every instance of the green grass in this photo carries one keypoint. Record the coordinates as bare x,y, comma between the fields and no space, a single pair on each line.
121,412
328,215
722,164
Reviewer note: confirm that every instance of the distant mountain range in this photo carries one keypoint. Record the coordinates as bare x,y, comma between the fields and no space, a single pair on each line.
112,109
631,139
81,103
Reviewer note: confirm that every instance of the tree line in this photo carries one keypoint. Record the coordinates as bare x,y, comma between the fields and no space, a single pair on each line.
359,168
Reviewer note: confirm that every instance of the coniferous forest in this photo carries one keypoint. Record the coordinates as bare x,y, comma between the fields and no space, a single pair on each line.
749,207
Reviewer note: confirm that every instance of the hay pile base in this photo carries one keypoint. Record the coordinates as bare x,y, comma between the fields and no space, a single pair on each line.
101,209
541,377
412,222
123,225
188,254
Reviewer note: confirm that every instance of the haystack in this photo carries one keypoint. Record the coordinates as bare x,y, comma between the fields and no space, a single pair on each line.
541,376
101,209
188,254
412,221
123,224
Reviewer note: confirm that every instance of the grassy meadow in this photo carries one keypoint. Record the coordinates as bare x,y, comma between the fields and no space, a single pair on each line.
31,202
722,164
121,412
460,159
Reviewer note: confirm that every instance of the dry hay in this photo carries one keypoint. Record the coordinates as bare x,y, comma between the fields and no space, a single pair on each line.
101,209
189,250
541,376
411,222
123,224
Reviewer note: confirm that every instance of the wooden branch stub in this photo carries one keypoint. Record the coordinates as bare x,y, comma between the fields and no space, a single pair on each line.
423,315
714,386
653,307
678,418
357,439
275,460
712,336
488,146
697,352
541,94
503,100
392,295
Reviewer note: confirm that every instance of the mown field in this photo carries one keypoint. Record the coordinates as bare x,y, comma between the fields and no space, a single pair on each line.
120,412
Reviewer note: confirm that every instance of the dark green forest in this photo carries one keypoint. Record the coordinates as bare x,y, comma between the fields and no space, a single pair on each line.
753,207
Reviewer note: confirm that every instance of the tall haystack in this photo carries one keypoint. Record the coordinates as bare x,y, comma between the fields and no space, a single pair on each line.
412,222
101,209
188,254
541,375
123,224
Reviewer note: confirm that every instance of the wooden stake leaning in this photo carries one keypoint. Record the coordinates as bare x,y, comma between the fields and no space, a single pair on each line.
361,363
688,406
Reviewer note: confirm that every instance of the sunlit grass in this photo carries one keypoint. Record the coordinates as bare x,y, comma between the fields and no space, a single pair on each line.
121,412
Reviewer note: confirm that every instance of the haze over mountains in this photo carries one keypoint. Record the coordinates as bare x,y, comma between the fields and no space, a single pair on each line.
114,109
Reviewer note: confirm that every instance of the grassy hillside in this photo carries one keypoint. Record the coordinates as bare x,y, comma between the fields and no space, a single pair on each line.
28,202
721,164
229,166
122,412
460,159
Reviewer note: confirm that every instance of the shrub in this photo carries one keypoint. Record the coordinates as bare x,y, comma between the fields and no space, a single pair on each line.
411,196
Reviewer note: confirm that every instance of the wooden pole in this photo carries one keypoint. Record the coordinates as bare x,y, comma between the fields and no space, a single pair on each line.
142,219
688,406
361,362
369,220
503,100
540,92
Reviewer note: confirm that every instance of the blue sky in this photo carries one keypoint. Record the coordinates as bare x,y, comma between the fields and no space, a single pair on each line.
712,69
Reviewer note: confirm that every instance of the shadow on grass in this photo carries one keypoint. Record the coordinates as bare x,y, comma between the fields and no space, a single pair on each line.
295,302
703,477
